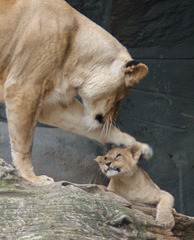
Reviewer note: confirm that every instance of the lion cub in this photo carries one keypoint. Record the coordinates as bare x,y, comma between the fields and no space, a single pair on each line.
133,183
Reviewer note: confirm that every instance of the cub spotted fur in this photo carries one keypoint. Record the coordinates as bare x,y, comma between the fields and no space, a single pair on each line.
133,183
50,53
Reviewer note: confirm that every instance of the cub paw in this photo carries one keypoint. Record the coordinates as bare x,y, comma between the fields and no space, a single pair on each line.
167,223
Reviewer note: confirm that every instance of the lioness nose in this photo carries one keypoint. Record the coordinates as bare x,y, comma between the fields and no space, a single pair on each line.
99,118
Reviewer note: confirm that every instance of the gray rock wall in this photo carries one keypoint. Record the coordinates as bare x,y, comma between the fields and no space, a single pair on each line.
160,110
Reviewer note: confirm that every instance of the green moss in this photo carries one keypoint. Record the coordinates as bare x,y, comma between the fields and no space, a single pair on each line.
5,185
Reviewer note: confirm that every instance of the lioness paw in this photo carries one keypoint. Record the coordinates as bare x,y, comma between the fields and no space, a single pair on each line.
41,180
45,180
123,140
146,151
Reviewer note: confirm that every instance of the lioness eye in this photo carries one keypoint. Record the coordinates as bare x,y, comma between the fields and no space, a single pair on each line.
118,155
105,158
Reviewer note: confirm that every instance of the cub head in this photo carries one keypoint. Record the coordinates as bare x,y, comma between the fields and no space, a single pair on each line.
120,161
103,91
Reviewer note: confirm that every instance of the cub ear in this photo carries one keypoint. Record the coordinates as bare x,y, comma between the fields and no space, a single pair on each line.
135,151
134,72
99,159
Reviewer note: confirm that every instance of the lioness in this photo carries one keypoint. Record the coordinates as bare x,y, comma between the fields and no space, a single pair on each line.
49,53
133,183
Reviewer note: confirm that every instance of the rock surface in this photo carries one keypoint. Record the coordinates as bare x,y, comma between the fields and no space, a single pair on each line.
64,210
154,29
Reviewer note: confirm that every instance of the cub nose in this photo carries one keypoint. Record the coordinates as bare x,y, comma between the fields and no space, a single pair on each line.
108,164
117,169
99,118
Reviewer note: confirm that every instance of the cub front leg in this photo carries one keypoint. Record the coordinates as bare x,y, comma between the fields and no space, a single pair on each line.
164,215
22,103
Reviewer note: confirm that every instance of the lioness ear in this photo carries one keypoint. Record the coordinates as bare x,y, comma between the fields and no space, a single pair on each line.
134,72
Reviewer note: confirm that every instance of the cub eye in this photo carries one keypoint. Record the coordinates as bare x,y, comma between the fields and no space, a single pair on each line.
105,158
118,155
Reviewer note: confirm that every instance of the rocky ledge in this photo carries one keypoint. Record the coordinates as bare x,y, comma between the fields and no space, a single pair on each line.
65,210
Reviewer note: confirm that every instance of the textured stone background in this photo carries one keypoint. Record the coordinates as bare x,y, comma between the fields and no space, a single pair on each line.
160,110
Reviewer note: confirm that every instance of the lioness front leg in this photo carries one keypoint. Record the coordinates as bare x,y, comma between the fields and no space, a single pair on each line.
22,103
70,118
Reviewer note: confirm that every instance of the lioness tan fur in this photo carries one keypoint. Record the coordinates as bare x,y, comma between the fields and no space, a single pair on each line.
49,53
133,183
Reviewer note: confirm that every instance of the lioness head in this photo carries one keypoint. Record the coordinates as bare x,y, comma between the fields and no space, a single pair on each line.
120,161
102,95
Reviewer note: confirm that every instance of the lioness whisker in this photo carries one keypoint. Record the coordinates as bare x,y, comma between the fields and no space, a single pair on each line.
114,123
109,127
103,130
106,129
